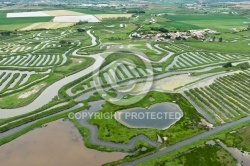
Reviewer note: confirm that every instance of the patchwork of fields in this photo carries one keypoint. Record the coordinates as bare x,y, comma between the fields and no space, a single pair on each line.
221,22
34,56
56,63
47,25
51,19
26,14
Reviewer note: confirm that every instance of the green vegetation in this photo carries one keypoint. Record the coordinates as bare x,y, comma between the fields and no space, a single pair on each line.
228,65
182,26
216,70
186,150
198,59
46,56
204,155
75,65
190,147
13,27
112,130
94,11
14,100
8,21
85,133
213,21
243,66
223,47
238,139
226,99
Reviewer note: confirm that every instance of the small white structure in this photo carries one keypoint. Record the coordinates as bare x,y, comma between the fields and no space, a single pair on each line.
159,139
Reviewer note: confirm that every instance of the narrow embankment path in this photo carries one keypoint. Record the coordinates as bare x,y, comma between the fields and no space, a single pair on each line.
187,142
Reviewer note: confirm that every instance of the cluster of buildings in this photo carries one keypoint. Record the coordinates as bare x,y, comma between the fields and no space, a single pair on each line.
196,6
113,5
98,5
5,3
198,34
204,123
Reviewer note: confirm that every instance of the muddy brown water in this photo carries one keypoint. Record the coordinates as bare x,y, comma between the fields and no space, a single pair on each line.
59,143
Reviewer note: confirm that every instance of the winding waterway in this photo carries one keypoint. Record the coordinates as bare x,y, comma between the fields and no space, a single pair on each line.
51,91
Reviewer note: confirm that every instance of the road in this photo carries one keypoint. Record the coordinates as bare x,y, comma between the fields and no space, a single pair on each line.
187,142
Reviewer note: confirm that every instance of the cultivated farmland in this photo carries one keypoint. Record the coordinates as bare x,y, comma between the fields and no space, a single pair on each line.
75,19
110,16
226,99
33,60
47,25
63,61
62,13
197,59
11,81
24,20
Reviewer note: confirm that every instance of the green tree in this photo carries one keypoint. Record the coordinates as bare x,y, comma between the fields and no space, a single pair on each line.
248,27
243,66
228,65
80,30
63,42
214,39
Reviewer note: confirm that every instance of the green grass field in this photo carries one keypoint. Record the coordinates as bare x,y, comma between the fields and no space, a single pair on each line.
208,17
204,156
94,11
8,21
217,22
239,139
182,26
237,47
13,27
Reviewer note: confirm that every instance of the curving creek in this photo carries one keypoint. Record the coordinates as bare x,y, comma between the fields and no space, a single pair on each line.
51,91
